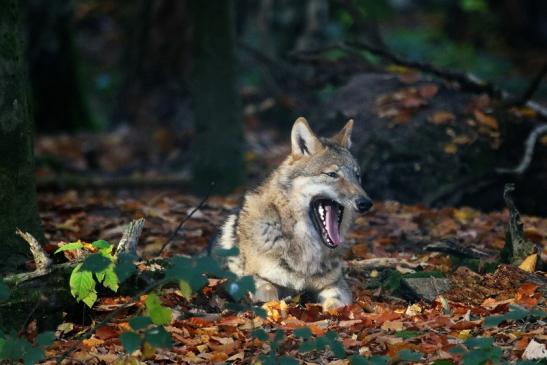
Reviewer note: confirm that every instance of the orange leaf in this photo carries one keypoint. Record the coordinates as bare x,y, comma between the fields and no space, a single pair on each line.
106,332
486,120
441,117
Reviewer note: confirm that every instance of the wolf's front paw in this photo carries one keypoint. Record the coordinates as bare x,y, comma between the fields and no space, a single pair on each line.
265,293
332,303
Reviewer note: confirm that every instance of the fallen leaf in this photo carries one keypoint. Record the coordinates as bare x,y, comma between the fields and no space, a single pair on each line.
529,263
486,120
428,90
450,148
441,117
393,326
534,351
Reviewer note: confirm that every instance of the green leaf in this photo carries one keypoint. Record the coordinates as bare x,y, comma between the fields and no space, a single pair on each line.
406,334
279,336
125,266
409,355
307,346
479,342
303,332
358,360
287,360
33,356
131,341
159,314
260,334
4,291
82,286
103,246
338,349
140,322
179,268
108,278
70,246
241,287
493,321
158,337
96,262
45,338
234,251
261,312
185,289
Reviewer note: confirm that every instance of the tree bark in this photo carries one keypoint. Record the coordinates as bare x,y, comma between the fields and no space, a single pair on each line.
218,140
59,97
18,203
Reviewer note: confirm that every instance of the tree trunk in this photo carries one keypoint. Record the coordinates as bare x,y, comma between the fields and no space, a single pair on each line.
18,203
59,98
218,140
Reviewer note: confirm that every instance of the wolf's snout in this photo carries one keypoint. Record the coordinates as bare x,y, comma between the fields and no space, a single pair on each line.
363,204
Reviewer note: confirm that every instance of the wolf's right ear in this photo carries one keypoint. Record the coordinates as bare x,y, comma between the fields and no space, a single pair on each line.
303,140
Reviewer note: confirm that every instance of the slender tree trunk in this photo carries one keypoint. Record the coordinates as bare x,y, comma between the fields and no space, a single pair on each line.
18,203
59,98
218,140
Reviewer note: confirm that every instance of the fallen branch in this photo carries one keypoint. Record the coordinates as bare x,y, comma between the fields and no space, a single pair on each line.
82,182
532,88
130,238
381,263
526,159
41,258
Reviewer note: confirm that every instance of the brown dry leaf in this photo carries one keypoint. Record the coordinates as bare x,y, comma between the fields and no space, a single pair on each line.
393,326
428,90
441,117
462,139
486,120
465,215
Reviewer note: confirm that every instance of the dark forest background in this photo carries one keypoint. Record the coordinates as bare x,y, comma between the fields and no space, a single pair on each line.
200,96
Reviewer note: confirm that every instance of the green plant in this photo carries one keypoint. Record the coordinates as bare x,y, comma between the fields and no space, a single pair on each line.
13,348
96,268
515,313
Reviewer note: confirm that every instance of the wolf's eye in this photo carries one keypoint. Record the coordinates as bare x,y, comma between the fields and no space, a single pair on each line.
334,175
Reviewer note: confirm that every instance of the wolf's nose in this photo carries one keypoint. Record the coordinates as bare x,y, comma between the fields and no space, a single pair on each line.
363,204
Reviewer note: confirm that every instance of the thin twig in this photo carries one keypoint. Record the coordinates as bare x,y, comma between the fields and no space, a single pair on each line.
188,216
528,152
532,88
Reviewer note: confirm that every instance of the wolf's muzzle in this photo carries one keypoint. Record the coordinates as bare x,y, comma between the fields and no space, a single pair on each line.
363,204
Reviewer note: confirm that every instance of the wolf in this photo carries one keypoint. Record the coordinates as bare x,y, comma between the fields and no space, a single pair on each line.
290,230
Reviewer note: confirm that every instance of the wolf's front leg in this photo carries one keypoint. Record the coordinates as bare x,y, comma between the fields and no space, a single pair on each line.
265,291
335,295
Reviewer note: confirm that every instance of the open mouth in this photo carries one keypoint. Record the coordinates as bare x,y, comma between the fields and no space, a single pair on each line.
327,216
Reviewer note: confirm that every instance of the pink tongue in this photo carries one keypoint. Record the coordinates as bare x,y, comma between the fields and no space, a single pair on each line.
332,225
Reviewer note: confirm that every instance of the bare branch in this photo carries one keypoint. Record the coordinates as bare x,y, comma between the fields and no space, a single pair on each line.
181,224
532,88
41,258
529,146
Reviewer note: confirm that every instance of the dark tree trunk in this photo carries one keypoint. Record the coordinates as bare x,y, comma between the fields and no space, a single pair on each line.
218,141
18,203
55,75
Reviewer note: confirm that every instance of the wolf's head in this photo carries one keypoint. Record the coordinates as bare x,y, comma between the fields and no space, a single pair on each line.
323,181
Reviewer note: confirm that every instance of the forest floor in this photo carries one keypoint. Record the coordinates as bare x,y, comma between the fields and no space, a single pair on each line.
491,309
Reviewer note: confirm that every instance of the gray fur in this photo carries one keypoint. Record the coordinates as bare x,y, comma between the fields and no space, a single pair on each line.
277,240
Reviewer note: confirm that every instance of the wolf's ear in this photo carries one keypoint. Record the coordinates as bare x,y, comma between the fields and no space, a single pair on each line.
343,138
303,140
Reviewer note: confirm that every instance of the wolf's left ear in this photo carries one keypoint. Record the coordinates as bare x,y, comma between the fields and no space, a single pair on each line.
343,138
303,140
